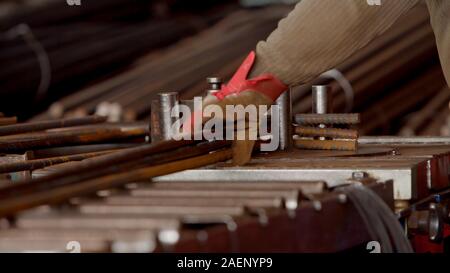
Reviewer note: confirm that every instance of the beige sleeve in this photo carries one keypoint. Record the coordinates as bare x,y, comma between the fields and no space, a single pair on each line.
440,20
320,34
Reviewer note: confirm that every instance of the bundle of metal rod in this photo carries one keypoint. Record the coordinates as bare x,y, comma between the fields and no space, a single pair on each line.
381,222
150,161
44,125
325,144
382,72
36,145
192,217
440,125
37,48
182,68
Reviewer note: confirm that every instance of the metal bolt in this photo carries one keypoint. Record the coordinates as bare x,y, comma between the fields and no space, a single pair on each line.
215,84
359,175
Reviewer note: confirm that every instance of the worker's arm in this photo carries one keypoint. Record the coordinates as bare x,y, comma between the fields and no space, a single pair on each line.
316,36
440,20
320,34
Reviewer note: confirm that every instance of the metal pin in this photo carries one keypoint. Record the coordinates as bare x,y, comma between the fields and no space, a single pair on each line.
215,84
285,121
161,116
322,100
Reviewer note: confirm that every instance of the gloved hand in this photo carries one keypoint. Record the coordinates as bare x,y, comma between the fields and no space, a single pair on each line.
261,90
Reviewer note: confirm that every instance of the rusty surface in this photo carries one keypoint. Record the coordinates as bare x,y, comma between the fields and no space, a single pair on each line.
13,159
58,193
326,132
315,144
329,119
69,137
114,162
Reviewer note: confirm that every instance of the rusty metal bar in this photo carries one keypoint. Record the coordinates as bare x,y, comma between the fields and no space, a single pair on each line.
51,124
418,119
8,121
328,119
284,104
326,132
155,210
340,145
74,221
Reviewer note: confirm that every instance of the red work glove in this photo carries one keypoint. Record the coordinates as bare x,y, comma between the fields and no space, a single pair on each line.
261,90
